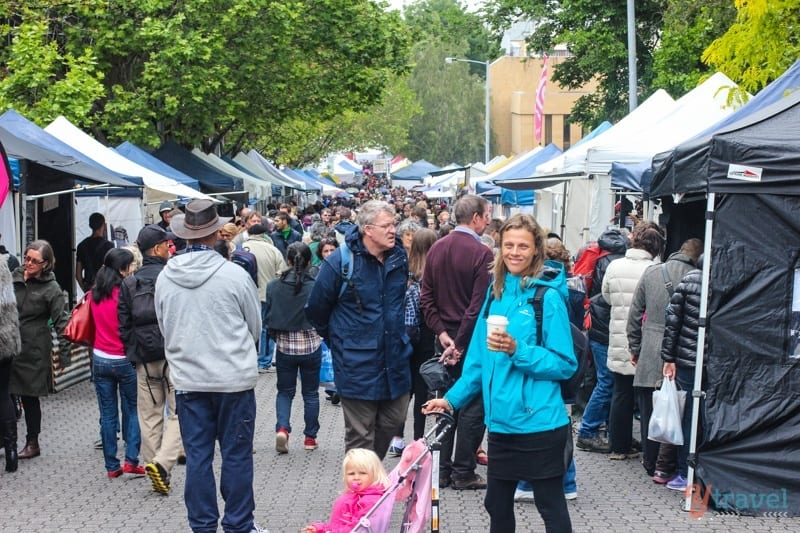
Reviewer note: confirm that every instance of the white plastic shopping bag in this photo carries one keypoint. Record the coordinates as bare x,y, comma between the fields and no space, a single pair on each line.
665,422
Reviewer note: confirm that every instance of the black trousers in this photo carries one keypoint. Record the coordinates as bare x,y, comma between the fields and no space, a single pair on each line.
33,416
7,411
548,494
620,419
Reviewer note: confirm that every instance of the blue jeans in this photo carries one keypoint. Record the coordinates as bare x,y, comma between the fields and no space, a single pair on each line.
266,345
288,367
684,376
596,412
115,384
227,417
570,483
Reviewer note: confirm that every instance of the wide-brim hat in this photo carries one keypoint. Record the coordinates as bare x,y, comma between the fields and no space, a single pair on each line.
200,220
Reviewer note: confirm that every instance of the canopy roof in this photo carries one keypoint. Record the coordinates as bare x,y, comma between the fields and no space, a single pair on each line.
210,178
656,107
684,169
75,137
274,171
137,155
415,171
311,184
695,111
256,187
25,140
525,167
760,153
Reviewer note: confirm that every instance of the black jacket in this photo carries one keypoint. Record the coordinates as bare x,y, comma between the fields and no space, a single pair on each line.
611,241
600,313
680,335
284,309
138,325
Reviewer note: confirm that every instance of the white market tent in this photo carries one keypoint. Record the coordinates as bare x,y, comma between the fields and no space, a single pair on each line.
274,171
157,186
255,187
507,168
703,106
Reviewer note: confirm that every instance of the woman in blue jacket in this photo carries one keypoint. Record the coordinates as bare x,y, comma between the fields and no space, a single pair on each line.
525,415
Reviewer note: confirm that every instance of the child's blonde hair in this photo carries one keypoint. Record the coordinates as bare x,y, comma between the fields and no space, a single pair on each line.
367,460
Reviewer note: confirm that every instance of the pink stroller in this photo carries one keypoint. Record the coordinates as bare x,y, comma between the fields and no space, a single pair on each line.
415,480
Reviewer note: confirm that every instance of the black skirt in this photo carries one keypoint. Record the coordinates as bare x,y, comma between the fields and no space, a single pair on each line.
528,456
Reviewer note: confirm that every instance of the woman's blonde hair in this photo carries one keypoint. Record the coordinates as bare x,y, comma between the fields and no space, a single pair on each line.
368,461
524,222
230,229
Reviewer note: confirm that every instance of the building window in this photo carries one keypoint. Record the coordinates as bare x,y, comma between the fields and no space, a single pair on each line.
567,137
548,129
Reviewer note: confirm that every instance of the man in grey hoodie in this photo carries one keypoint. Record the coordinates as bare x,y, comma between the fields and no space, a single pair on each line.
210,315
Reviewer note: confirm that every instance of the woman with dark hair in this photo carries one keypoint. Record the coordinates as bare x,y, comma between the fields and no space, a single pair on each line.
519,376
297,346
40,301
618,289
420,334
114,375
325,247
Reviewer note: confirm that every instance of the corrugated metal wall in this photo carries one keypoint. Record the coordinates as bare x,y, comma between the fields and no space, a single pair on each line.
79,370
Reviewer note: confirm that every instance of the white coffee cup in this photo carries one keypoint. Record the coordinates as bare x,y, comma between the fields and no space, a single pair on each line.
497,323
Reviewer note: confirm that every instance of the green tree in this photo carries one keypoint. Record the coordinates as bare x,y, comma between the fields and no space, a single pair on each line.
689,27
204,71
760,45
595,33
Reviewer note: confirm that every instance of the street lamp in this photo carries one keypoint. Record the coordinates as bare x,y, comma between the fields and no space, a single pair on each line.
487,121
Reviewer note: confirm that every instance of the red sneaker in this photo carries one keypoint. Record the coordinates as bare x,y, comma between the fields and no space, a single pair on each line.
136,470
114,473
310,443
282,441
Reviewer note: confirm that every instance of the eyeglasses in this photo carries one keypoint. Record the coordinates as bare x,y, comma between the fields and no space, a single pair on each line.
29,259
383,226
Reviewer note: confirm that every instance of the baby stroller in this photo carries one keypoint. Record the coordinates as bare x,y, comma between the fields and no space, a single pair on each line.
414,478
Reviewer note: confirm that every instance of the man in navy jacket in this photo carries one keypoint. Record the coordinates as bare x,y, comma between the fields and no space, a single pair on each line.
360,316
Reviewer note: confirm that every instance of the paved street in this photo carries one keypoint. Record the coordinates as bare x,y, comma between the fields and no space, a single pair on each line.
66,489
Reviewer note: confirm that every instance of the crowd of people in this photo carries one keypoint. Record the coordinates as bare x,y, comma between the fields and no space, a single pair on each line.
189,316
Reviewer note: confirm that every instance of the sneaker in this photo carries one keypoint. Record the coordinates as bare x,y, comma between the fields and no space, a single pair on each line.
158,477
662,478
114,473
282,441
593,444
571,495
444,481
136,470
677,483
263,370
98,444
310,443
523,495
636,446
182,458
475,482
622,456
396,448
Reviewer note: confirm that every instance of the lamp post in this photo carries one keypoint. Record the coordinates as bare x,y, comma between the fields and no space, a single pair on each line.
487,120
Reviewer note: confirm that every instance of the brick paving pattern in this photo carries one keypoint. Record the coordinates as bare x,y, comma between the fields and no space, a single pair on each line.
66,489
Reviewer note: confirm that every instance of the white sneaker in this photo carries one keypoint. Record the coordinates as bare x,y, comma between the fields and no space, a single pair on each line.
523,495
571,495
396,447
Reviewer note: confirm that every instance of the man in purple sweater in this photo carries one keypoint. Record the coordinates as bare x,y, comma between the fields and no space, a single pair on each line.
454,286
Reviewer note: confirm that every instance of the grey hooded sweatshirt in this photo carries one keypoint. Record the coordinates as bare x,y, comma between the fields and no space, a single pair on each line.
210,315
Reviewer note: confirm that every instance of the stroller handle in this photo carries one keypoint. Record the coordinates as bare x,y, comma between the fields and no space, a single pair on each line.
444,422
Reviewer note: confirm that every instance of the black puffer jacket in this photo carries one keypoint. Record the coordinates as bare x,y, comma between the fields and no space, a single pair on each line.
680,335
611,241
600,312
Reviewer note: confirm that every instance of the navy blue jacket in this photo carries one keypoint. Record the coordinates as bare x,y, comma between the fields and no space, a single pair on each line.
364,328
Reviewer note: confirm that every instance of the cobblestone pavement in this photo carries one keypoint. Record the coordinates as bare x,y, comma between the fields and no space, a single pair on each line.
66,489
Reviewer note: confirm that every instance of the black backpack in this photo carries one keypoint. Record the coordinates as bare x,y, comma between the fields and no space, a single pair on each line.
148,338
571,386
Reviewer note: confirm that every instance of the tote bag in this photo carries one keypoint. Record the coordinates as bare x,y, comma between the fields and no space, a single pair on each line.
80,328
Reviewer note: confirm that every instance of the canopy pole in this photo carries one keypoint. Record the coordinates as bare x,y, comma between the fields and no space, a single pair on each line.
73,190
701,341
564,212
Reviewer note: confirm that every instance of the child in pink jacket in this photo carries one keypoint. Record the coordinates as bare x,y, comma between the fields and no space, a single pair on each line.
365,481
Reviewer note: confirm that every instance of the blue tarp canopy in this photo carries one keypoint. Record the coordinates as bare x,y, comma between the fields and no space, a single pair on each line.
311,184
25,140
631,176
275,190
685,168
141,157
211,179
416,171
519,171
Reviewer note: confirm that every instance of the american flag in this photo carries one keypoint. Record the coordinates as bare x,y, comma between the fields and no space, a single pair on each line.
539,110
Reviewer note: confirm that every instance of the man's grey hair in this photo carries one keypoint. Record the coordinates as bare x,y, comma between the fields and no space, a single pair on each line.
370,211
467,206
317,231
408,225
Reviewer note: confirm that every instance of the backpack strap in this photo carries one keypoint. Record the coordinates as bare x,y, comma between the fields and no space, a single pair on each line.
538,310
346,258
667,281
